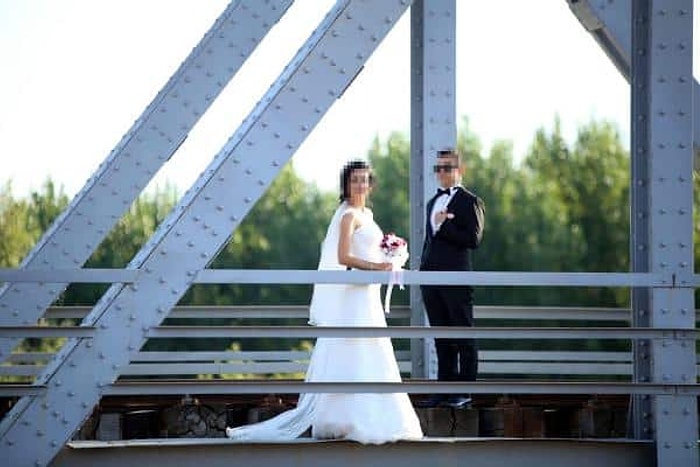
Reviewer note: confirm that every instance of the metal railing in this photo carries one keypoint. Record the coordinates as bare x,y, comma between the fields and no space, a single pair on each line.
561,370
262,363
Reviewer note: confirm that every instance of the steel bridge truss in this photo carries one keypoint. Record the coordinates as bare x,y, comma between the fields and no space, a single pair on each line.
650,41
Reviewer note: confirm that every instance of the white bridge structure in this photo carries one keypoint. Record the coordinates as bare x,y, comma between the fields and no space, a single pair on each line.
649,41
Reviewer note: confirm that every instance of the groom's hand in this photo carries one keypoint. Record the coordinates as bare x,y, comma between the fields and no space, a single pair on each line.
441,216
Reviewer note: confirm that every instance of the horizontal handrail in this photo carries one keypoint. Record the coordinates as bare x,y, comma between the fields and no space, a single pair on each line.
413,387
300,276
230,387
410,277
153,363
406,332
287,367
397,312
46,331
413,332
255,363
21,390
266,355
554,356
68,276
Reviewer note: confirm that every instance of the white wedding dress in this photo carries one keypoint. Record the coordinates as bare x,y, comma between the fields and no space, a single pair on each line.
366,418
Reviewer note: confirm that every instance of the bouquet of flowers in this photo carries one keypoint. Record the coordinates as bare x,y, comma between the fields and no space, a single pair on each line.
395,249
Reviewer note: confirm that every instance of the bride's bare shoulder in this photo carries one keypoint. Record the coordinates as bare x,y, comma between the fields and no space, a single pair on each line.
354,218
350,215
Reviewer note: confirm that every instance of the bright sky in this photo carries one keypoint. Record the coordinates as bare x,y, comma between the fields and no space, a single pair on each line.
77,73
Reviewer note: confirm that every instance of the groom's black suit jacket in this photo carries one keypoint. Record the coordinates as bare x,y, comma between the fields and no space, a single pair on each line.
450,248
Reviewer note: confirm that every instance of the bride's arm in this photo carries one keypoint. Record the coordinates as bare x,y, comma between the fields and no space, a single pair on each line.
348,224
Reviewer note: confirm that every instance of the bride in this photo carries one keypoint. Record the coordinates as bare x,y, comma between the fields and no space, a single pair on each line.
352,241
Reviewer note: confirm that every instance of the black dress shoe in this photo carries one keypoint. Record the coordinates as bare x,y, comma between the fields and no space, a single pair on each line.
458,402
434,400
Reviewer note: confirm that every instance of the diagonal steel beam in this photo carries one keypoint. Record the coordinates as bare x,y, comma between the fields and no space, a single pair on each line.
143,150
610,25
36,428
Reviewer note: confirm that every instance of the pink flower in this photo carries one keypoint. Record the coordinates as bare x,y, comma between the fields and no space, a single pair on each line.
395,249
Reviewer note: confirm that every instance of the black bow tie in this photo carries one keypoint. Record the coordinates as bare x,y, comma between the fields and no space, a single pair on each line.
443,191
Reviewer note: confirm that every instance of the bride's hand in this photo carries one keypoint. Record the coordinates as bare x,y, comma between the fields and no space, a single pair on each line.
383,267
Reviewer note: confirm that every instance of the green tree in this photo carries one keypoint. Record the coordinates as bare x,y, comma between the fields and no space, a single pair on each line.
284,230
564,208
390,161
22,223
590,186
120,246
15,239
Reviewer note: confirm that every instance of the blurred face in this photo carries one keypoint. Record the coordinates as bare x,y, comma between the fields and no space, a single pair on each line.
359,182
448,171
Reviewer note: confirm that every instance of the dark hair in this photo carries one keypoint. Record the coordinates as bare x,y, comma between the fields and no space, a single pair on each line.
347,172
452,153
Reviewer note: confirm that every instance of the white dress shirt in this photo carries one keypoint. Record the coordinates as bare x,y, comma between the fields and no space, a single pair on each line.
440,205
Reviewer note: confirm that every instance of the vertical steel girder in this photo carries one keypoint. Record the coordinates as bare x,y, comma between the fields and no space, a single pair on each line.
652,48
610,25
662,226
143,150
641,408
433,127
37,428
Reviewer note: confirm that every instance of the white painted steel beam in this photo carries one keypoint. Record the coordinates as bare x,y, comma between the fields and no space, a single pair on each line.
198,228
662,218
142,151
610,25
433,127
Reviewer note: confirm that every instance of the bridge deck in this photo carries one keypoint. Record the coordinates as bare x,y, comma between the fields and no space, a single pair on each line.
484,452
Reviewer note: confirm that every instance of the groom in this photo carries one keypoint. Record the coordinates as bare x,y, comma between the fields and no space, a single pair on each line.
454,227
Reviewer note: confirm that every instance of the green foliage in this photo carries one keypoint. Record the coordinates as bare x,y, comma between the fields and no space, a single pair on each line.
123,242
283,231
587,191
15,239
564,208
23,221
389,198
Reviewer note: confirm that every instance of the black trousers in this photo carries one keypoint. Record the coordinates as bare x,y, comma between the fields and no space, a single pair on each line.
452,306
